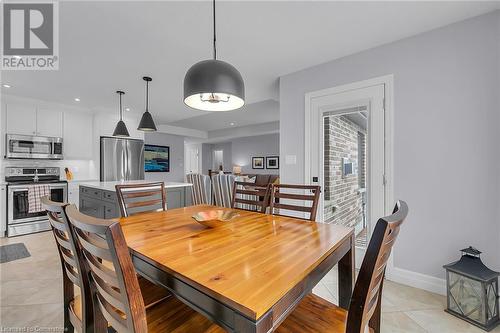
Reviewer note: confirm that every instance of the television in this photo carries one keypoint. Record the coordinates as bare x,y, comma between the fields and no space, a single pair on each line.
156,158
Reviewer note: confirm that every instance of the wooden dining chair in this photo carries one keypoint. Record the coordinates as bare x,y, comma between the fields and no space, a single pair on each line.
277,196
317,315
141,198
115,288
248,196
78,307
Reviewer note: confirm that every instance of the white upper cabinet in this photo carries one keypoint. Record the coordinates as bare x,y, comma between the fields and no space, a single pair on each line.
78,134
27,119
49,122
21,119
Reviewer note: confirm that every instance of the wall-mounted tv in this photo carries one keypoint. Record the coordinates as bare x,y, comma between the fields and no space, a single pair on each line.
156,158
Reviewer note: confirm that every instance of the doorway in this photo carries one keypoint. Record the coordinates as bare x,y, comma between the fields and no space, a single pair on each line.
192,158
347,155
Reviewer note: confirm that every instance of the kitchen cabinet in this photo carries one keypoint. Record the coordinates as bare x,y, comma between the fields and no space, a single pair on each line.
49,122
3,210
73,194
27,119
104,204
77,136
21,119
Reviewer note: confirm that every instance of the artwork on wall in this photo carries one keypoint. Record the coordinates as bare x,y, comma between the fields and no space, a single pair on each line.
272,162
156,158
257,162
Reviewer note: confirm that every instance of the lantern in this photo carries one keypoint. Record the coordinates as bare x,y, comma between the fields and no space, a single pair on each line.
472,290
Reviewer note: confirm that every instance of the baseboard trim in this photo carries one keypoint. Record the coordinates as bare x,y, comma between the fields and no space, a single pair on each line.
417,280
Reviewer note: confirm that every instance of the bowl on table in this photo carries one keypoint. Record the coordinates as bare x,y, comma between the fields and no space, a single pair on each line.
215,218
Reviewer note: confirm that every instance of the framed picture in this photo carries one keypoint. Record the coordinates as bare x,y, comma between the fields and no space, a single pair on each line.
272,162
257,162
156,158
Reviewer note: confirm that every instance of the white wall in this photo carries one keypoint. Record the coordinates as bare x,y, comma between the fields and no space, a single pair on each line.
176,144
447,87
243,149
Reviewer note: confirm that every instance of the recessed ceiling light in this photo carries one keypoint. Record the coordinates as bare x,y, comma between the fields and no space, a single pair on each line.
77,99
232,124
6,85
127,109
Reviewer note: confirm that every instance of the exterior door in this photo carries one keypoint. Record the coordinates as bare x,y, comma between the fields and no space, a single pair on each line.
347,157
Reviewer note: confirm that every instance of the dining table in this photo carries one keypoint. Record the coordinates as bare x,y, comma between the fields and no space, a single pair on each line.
247,274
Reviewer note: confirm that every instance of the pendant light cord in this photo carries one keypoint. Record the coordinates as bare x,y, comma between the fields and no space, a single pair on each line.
215,40
147,96
121,110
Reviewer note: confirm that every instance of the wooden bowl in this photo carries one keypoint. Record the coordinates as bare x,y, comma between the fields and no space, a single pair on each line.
215,218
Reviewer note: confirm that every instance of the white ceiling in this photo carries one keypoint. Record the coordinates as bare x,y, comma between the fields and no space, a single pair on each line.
105,46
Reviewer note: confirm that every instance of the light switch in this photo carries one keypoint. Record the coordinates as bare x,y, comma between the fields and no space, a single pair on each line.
291,159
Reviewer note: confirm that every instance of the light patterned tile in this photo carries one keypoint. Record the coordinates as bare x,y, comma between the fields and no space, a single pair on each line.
397,297
438,321
322,291
24,292
399,322
32,318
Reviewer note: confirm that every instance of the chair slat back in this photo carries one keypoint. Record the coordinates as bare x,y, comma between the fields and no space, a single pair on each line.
141,198
72,269
284,191
115,288
248,196
223,189
368,289
201,191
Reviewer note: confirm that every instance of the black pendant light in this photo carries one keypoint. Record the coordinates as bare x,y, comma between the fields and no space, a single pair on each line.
147,124
214,85
121,128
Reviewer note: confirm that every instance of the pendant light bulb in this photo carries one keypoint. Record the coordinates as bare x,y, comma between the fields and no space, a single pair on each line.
121,128
147,123
214,85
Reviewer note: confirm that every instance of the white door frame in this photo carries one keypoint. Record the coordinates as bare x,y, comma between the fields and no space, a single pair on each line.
388,82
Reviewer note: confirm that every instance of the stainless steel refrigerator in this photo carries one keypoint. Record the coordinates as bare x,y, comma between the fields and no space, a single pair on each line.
121,159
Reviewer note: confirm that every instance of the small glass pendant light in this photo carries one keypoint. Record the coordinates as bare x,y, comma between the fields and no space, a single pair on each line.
147,124
214,85
121,128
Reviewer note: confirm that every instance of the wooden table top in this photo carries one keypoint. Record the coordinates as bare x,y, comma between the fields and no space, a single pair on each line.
249,264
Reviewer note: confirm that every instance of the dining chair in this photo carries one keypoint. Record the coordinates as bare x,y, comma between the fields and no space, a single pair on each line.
314,314
141,198
115,289
78,307
223,189
248,196
276,202
201,191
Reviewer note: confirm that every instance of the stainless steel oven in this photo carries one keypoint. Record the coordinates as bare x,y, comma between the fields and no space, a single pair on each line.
19,180
33,147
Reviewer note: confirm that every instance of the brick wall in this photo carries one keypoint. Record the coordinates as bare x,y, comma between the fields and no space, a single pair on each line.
343,202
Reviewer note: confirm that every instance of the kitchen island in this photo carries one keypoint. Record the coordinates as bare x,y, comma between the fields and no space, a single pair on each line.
99,199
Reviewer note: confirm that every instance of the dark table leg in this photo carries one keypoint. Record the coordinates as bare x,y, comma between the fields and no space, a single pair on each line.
346,276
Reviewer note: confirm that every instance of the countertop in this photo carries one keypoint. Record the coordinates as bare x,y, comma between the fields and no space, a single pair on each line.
110,186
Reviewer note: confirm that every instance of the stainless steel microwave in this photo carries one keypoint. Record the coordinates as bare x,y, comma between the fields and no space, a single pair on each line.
33,147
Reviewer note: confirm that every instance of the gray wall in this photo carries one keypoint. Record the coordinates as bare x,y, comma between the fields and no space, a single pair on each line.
263,145
446,127
176,144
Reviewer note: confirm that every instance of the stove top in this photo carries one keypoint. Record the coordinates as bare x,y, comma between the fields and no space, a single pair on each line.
32,175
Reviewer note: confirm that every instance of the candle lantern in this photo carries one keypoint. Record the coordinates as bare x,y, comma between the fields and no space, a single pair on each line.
472,290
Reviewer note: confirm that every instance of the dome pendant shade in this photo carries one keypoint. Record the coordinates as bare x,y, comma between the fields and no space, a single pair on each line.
121,128
214,85
147,124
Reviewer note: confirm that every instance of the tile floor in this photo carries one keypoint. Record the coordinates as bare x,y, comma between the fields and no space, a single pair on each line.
31,296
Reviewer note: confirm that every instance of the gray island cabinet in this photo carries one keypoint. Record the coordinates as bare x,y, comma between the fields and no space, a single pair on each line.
99,199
